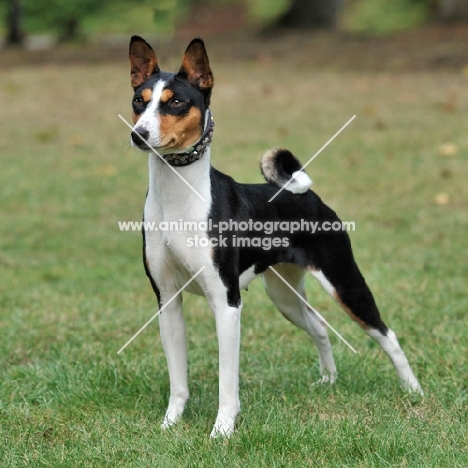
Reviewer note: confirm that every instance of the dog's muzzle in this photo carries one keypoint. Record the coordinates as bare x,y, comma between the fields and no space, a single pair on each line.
140,137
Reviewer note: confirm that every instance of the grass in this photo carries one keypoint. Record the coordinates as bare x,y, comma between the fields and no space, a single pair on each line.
73,290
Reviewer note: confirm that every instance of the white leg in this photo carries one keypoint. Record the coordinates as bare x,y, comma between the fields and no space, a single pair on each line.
228,331
319,334
291,306
172,329
390,345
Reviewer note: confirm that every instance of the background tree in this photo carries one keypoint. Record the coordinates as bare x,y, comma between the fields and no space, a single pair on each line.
311,14
452,10
68,18
15,34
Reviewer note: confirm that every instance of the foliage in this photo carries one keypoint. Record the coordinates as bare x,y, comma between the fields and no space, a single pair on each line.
382,16
74,18
167,12
64,16
124,16
266,11
70,18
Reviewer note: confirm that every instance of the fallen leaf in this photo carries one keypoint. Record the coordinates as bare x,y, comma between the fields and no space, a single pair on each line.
370,110
107,170
465,71
442,199
447,150
76,139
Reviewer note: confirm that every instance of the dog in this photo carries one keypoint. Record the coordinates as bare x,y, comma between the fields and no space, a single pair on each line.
173,123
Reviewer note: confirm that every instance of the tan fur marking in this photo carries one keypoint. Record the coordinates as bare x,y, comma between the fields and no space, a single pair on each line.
181,132
187,65
146,94
135,117
356,319
166,95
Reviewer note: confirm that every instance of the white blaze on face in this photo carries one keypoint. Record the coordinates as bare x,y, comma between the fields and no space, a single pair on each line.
150,120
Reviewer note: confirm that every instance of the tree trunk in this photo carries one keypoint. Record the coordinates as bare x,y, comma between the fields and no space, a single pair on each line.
311,14
70,30
15,34
452,10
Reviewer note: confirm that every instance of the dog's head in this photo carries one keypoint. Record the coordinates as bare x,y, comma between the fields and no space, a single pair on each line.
169,109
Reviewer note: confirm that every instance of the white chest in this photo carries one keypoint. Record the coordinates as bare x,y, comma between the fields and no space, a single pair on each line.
178,210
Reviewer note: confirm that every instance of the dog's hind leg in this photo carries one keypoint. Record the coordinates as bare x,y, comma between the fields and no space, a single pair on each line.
341,278
295,310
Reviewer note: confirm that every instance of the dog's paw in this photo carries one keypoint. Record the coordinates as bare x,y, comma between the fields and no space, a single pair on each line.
166,424
170,419
223,428
174,410
326,379
412,387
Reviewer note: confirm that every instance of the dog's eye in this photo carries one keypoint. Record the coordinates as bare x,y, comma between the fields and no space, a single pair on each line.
176,102
138,100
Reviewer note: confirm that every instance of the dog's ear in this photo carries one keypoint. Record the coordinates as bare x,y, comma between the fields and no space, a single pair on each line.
143,61
196,66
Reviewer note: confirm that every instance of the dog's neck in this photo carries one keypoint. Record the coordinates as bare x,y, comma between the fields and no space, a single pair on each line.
175,197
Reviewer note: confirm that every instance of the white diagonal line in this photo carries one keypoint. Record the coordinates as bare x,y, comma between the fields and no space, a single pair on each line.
160,157
313,157
314,310
160,310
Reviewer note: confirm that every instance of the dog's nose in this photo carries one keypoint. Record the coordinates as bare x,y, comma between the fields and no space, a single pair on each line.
139,135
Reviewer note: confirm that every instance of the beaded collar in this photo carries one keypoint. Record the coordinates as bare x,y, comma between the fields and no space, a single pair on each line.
197,150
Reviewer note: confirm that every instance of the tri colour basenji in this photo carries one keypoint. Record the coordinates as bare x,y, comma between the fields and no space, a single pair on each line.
171,115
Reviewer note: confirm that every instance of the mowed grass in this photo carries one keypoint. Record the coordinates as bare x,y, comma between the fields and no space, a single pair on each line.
73,289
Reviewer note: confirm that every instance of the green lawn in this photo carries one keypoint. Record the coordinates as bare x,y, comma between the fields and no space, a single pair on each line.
73,289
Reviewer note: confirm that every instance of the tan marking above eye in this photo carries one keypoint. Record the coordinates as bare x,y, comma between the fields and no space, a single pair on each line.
166,95
146,94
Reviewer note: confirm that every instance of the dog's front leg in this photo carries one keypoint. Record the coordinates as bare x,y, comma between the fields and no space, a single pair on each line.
172,329
228,331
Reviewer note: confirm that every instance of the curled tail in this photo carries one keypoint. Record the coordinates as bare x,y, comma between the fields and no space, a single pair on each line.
279,166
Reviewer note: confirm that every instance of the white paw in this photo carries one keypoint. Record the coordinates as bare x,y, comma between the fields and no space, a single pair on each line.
412,387
171,418
224,427
167,423
326,379
174,411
